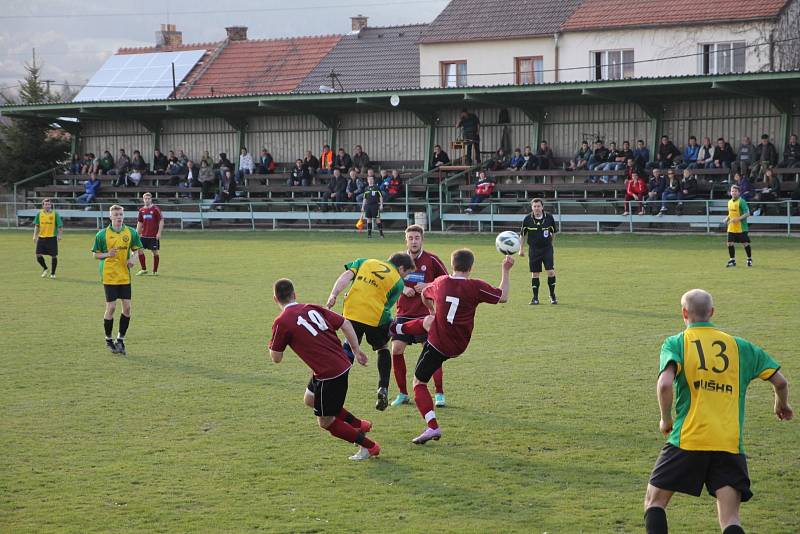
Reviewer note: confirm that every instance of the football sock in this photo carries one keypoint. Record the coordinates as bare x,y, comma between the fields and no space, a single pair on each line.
143,261
108,326
384,367
380,227
369,227
342,430
535,286
363,440
551,283
413,328
124,321
41,261
733,529
655,520
746,249
55,265
732,251
399,364
424,402
438,380
349,418
155,262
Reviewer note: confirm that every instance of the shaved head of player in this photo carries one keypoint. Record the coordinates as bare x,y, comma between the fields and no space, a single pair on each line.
697,306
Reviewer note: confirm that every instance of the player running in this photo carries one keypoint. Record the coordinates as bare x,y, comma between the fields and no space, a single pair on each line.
376,286
114,246
149,226
710,371
372,206
453,300
738,212
540,228
47,228
428,267
310,331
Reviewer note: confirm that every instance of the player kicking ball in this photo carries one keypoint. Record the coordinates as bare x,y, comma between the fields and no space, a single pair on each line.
310,331
452,300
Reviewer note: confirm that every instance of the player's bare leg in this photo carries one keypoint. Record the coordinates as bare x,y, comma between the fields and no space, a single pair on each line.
424,402
728,501
655,505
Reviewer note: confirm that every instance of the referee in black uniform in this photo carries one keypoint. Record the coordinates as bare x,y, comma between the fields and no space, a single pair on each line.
540,229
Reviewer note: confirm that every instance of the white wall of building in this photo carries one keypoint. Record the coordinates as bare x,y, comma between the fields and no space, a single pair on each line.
488,62
656,43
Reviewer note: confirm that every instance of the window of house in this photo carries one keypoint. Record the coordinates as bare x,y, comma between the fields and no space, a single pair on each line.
722,58
529,70
454,73
612,64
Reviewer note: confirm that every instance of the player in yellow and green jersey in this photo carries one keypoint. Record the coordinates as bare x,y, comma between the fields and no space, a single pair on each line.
117,247
376,286
710,371
47,227
738,212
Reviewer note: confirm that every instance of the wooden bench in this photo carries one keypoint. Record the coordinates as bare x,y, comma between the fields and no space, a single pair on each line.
291,192
552,174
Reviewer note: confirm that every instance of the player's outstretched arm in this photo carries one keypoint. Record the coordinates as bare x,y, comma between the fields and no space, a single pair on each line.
781,387
344,279
352,340
664,394
508,263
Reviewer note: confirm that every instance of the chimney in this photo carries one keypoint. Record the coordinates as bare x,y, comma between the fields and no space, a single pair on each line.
237,33
359,22
168,36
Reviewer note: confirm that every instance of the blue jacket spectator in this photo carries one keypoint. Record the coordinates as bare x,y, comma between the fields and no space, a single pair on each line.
690,154
91,187
745,189
641,155
517,161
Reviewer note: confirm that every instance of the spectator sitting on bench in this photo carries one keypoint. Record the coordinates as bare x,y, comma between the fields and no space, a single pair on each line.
517,161
90,187
299,175
326,160
655,188
106,163
635,189
208,159
723,155
689,186
122,163
598,159
499,161
160,162
632,167
75,165
581,159
246,165
791,154
337,191
362,184
544,157
390,187
208,182
227,188
483,190
624,155
138,164
311,163
355,186
343,161
440,157
86,164
360,159
673,191
690,153
745,189
666,154
174,167
770,191
744,157
614,162
530,160
183,159
224,164
189,178
95,164
641,154
766,156
705,156
266,164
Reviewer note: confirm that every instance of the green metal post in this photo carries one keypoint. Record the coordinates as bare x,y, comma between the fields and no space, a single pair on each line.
656,114
784,107
430,140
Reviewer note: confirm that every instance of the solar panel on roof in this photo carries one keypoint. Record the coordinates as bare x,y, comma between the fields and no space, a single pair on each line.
139,76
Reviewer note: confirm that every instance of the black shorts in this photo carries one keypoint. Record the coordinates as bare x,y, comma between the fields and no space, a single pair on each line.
738,237
372,211
151,243
409,339
377,336
687,471
47,246
115,292
428,363
329,395
537,257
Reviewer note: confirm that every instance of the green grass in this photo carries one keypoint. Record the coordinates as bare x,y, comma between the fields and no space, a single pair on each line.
551,424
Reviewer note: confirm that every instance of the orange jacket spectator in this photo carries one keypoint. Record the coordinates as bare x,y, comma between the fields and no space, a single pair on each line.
326,158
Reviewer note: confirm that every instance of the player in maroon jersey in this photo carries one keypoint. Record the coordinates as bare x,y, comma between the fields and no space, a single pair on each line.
453,300
310,331
410,306
149,227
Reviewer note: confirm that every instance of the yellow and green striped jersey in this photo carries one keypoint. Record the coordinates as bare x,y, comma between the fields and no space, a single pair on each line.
376,287
713,370
737,208
48,222
114,271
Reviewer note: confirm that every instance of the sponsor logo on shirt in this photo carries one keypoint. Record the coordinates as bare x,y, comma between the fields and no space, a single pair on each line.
713,385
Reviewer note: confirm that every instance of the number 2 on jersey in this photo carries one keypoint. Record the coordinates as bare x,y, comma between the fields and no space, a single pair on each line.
316,318
451,313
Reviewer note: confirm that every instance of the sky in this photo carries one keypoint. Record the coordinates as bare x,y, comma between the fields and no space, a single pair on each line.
73,39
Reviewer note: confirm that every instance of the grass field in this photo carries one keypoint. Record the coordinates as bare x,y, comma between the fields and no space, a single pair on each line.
551,423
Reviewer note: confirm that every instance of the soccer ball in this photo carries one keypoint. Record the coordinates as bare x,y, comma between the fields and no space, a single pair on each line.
507,243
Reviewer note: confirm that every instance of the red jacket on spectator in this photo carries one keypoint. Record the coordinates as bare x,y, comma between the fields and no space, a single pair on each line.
636,188
484,188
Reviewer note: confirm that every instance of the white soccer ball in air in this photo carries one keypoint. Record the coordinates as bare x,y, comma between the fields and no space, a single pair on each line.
507,243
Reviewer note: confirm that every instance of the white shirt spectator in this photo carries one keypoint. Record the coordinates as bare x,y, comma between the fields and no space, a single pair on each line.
246,162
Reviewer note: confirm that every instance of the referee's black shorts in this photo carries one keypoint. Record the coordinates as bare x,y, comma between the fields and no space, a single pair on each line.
372,211
47,246
687,471
115,292
377,336
539,257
